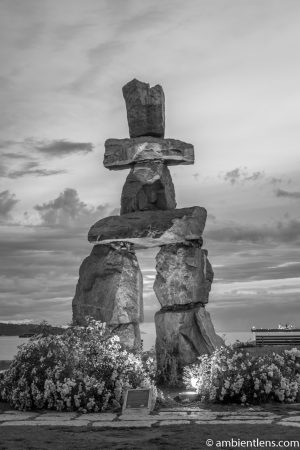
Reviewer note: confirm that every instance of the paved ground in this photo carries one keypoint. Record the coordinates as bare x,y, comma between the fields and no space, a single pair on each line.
166,417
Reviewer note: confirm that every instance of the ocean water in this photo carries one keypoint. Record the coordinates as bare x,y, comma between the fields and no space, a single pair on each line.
9,344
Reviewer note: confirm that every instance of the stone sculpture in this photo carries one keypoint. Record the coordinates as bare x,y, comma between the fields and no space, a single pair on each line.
110,281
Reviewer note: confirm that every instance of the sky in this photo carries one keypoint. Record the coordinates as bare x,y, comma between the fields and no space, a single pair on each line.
230,71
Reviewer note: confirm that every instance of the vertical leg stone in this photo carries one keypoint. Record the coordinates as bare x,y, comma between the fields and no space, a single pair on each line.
184,329
184,275
182,336
109,289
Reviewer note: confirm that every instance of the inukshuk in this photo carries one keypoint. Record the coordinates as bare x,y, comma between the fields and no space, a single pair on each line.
110,282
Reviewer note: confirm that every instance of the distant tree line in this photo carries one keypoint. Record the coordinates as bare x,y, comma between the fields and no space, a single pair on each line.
14,329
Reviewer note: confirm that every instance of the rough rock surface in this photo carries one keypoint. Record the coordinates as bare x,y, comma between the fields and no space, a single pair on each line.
122,153
110,286
181,337
184,275
129,334
145,109
148,186
151,228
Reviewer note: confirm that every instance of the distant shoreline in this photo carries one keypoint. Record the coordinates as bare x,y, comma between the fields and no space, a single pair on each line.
16,329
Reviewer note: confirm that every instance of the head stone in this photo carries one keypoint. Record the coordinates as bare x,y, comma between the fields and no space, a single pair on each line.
145,109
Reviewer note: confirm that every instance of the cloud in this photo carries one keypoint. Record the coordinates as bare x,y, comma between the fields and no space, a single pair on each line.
62,147
276,180
63,210
14,156
285,232
288,194
7,143
286,264
67,210
56,147
241,175
25,169
7,203
34,172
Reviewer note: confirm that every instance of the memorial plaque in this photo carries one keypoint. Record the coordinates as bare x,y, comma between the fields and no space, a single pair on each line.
137,400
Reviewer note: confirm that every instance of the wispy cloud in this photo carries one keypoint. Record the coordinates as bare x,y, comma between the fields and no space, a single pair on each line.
28,156
63,147
286,231
34,172
287,194
241,175
7,203
285,264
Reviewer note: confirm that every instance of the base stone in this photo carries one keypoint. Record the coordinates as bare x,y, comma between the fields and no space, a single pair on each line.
181,337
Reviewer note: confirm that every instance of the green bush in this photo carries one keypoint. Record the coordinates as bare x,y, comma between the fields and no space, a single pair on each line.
234,376
84,369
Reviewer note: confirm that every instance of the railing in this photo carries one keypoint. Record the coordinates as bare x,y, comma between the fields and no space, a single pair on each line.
277,337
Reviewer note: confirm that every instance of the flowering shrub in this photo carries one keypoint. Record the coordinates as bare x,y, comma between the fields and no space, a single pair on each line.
230,375
83,369
149,363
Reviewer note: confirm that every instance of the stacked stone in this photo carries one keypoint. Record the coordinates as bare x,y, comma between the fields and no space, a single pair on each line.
110,289
110,286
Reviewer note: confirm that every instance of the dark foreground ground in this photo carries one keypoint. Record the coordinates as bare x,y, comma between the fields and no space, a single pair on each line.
183,437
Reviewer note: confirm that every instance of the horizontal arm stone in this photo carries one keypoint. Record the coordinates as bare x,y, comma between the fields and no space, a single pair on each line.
151,228
123,153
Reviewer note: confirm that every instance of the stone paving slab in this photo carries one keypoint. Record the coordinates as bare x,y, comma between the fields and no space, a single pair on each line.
178,416
22,423
226,418
289,424
173,422
60,413
97,417
245,412
14,417
131,418
54,419
292,419
124,424
203,418
235,422
185,409
51,423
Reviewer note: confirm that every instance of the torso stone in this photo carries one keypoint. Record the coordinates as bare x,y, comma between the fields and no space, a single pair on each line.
145,109
148,186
